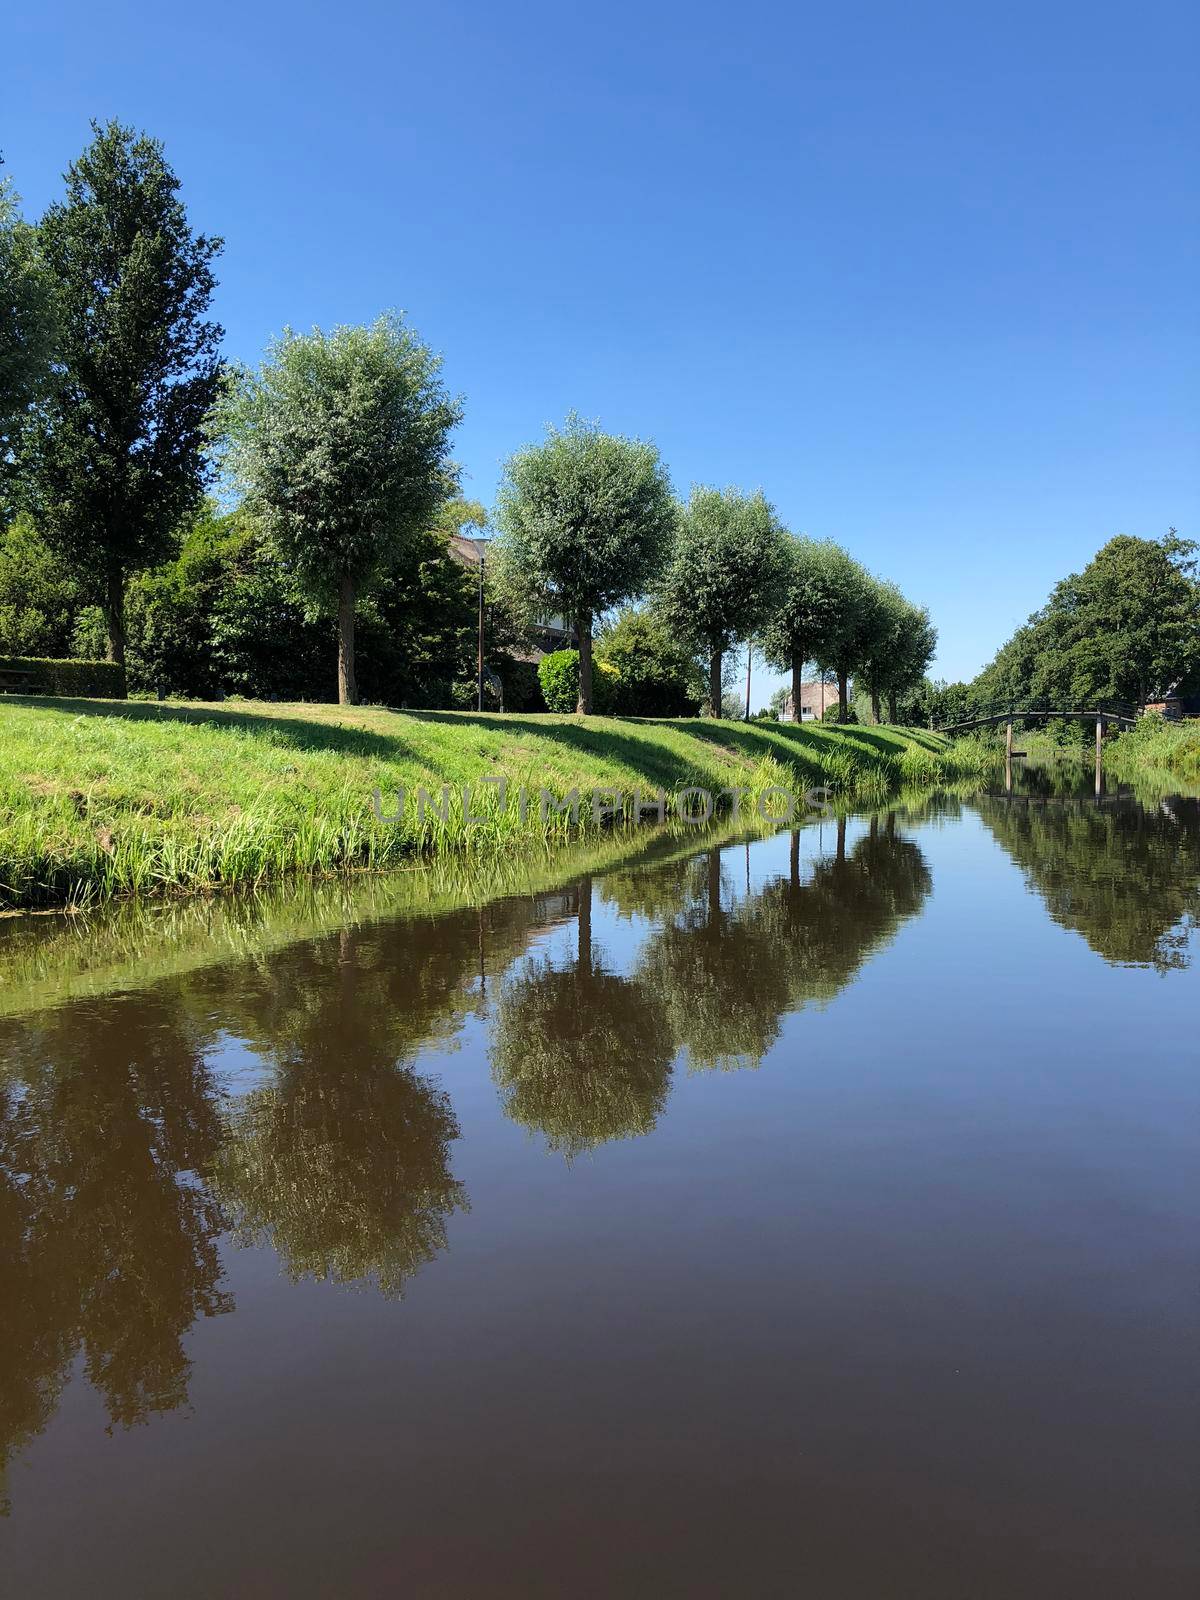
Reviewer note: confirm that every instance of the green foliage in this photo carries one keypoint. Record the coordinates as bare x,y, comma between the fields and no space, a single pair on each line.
805,605
658,674
114,460
1153,744
726,564
584,521
852,622
104,680
26,332
558,675
341,443
39,599
1126,629
842,714
897,648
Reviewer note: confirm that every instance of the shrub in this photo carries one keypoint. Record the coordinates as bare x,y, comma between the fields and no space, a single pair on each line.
99,680
558,674
831,713
658,674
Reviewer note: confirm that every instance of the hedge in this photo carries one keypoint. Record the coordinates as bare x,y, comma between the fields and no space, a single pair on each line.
98,680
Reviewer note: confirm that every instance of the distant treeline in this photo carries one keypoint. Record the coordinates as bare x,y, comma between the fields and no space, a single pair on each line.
1124,632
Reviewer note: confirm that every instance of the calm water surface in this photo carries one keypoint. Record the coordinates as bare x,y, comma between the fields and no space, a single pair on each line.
812,1216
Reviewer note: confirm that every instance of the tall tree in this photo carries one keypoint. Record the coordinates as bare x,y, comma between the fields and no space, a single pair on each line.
1126,628
725,566
341,443
584,519
804,608
898,648
26,332
915,646
116,449
851,623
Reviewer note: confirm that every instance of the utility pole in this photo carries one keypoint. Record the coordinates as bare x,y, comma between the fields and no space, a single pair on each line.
479,664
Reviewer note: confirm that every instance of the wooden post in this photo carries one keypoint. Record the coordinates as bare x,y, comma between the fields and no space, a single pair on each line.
1008,741
1099,735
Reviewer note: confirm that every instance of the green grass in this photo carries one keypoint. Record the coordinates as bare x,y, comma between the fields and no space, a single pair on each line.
102,799
1156,749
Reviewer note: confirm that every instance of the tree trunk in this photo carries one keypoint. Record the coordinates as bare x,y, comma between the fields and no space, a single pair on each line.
843,694
347,684
114,615
714,683
797,687
583,704
893,715
876,708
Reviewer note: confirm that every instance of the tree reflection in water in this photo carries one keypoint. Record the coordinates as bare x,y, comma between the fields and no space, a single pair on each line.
730,970
108,1238
122,1160
579,1053
1124,875
342,1161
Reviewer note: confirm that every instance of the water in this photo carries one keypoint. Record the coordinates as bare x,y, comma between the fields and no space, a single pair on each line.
813,1215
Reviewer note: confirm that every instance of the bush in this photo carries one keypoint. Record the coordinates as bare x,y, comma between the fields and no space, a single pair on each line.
558,674
831,713
658,674
96,680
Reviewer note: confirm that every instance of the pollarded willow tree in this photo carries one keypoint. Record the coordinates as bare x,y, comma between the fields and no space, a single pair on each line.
897,652
852,622
584,522
805,610
341,443
114,458
727,560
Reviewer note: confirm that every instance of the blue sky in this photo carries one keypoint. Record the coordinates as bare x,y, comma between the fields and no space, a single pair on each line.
926,273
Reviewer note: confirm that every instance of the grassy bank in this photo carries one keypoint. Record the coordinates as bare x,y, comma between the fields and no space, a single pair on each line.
1156,749
101,799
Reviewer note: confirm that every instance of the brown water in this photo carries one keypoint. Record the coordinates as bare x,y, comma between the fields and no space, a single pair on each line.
810,1216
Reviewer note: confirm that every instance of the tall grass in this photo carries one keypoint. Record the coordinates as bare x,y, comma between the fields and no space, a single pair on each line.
100,800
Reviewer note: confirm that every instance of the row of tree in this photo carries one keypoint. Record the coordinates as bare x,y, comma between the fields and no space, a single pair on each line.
116,409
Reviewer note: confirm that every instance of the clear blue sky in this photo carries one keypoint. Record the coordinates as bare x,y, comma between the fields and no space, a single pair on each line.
926,273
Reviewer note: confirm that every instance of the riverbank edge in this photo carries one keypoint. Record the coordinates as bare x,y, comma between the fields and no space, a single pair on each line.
104,800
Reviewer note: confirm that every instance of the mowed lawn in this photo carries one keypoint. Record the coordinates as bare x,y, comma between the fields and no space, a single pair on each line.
101,798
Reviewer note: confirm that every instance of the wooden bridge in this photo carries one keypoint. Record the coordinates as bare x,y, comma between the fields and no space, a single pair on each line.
993,719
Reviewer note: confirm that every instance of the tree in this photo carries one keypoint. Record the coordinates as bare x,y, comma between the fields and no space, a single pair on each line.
897,649
1126,628
340,441
850,624
726,563
39,600
804,610
114,460
584,521
26,332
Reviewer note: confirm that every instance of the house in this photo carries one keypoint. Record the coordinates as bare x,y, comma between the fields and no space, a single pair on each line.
815,700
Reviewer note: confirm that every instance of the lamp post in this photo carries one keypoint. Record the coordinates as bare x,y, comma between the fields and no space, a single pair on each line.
479,659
